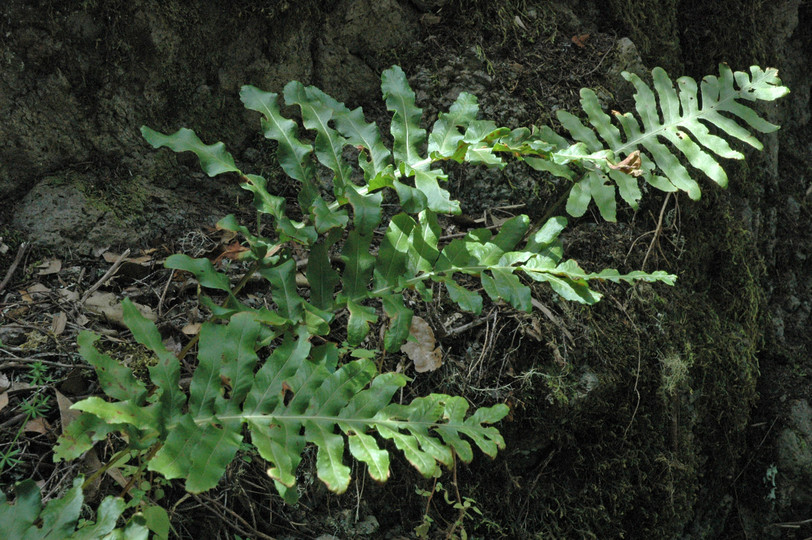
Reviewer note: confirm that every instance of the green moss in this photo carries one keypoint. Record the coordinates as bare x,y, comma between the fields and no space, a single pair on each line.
645,453
675,369
123,199
733,31
638,18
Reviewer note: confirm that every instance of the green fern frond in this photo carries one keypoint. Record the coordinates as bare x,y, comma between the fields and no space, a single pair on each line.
299,395
679,117
27,519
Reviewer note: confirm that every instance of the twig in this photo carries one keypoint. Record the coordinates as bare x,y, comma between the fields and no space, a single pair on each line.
753,454
555,320
163,294
25,362
593,70
526,506
106,276
14,420
631,248
13,267
636,390
468,326
792,524
657,231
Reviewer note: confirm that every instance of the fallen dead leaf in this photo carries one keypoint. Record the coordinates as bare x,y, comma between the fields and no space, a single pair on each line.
58,323
425,353
17,312
109,306
4,382
66,414
172,345
580,40
131,267
232,251
89,464
35,292
100,251
19,386
111,257
37,425
191,329
67,295
3,400
116,475
51,266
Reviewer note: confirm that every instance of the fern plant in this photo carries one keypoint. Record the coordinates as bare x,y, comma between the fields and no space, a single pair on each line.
60,518
300,371
301,393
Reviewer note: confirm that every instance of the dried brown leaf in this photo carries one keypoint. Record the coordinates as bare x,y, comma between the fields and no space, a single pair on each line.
51,266
66,414
67,295
35,292
37,425
425,353
580,40
110,257
191,329
108,306
58,323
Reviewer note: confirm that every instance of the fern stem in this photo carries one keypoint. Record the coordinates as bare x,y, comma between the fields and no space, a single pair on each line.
537,224
104,468
192,342
144,462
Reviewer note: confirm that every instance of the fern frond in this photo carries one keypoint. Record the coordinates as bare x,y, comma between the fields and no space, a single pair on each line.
298,396
60,518
672,123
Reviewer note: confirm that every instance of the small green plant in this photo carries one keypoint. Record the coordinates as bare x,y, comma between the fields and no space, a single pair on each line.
301,371
9,457
769,482
33,407
465,507
38,374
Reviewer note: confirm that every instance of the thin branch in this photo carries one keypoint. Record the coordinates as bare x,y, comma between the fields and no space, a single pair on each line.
13,267
657,231
110,273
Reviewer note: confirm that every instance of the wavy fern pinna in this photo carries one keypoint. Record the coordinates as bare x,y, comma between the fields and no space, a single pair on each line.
290,375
